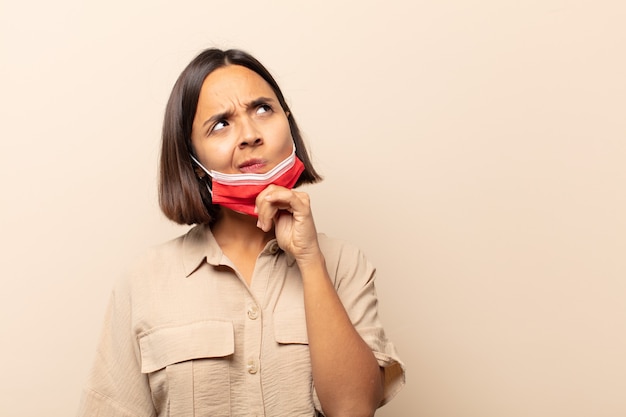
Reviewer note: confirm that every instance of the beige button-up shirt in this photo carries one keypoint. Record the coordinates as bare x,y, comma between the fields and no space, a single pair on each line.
184,335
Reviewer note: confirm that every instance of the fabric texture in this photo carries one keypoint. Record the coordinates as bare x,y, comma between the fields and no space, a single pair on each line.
184,335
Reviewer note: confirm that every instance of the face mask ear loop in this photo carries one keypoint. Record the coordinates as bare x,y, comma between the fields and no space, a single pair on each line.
207,172
208,187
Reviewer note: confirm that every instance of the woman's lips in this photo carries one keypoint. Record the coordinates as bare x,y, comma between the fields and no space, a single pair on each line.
254,166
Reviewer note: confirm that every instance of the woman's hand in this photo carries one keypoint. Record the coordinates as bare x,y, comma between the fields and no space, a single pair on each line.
289,211
347,377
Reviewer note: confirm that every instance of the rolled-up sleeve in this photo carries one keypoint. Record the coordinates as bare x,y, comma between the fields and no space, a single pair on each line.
354,278
116,387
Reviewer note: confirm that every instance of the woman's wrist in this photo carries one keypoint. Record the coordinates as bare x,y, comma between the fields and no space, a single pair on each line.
311,262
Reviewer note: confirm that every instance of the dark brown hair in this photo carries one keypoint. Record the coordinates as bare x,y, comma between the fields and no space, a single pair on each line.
183,195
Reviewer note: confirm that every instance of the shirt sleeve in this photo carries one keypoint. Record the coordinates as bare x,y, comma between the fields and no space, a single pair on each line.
354,278
116,387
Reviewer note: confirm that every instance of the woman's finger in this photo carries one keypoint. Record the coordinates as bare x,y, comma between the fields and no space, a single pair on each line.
275,198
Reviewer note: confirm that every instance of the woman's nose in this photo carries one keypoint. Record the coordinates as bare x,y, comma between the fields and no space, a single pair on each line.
250,135
250,142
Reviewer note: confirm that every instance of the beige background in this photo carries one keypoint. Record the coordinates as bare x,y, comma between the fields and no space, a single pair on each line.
475,150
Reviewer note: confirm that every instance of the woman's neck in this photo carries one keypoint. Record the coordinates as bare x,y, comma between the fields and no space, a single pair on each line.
237,230
241,241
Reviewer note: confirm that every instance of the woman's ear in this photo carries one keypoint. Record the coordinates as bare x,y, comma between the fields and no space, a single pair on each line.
199,172
197,168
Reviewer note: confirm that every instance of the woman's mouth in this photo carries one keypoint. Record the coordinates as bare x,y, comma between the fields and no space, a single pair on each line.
254,166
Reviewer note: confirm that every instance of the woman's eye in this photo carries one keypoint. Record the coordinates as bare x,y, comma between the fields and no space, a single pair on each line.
263,108
219,125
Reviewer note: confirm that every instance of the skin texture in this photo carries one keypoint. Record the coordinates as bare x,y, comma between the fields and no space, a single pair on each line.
240,127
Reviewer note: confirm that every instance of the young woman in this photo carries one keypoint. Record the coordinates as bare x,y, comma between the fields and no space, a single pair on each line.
252,312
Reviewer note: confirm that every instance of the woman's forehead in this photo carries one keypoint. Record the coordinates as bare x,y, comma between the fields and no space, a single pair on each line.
234,83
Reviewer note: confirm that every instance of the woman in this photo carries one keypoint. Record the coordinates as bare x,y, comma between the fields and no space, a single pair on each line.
252,312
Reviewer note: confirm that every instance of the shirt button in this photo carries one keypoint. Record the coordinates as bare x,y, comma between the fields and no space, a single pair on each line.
252,368
253,312
274,247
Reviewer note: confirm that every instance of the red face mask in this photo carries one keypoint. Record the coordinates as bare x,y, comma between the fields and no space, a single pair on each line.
239,191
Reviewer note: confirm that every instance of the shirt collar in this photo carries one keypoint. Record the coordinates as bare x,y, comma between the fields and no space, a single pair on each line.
199,245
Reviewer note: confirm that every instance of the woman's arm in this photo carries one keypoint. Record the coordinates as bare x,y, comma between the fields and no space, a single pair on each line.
116,386
347,377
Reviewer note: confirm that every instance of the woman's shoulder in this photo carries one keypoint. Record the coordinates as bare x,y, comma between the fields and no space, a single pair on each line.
336,246
161,251
198,236
333,244
170,257
342,257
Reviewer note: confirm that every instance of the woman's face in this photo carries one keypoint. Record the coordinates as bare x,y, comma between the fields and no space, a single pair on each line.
239,126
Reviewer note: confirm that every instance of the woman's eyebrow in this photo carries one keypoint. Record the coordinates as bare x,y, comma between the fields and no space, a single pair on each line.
217,117
225,115
261,100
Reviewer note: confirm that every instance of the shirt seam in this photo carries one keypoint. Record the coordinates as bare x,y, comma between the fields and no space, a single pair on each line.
112,401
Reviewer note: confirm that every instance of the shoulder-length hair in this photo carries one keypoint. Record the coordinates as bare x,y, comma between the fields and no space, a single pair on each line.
183,195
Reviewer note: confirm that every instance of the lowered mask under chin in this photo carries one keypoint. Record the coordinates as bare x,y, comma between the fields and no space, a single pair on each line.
238,192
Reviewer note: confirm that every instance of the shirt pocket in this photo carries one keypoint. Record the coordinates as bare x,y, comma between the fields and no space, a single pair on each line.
290,327
188,367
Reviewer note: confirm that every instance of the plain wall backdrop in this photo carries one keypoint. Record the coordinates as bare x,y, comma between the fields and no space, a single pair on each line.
476,151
